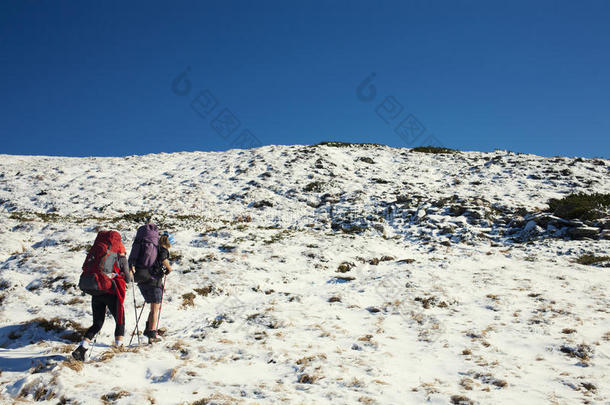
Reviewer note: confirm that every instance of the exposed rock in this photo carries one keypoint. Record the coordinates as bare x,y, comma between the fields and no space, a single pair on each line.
345,267
583,232
473,214
367,160
604,223
262,204
378,227
402,199
329,198
448,229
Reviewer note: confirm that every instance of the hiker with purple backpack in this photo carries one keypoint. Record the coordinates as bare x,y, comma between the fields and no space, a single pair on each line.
149,261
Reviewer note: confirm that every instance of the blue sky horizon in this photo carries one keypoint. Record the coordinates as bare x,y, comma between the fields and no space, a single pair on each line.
114,79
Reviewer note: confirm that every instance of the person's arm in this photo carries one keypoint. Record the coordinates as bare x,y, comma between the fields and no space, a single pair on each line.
133,256
124,266
168,268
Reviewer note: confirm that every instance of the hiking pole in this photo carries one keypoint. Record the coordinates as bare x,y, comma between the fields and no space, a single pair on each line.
92,347
135,310
137,321
161,306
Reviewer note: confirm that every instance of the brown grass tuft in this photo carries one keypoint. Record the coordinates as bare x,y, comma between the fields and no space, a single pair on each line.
205,290
591,260
215,399
307,379
114,396
345,267
38,390
107,355
461,400
179,346
75,300
73,364
581,351
304,361
188,300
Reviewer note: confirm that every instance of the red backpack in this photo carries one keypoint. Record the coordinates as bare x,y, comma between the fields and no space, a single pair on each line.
101,264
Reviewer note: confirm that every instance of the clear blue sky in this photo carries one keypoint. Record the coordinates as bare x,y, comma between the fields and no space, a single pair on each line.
95,78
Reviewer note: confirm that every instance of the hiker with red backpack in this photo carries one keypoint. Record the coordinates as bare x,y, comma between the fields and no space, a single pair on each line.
104,277
149,261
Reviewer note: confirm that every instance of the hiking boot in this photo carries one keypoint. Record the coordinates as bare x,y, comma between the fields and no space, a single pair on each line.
152,336
79,353
152,340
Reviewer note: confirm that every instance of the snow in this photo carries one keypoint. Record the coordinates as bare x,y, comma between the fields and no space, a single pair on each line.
473,313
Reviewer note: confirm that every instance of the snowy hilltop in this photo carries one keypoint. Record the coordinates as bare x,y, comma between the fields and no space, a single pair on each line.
323,274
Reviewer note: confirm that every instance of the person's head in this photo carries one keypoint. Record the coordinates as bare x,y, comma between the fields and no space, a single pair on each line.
166,240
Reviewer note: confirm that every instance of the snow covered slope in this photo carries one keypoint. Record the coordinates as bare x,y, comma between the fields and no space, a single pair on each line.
313,275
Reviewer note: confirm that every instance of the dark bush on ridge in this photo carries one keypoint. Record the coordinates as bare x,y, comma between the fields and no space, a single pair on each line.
580,206
433,149
335,144
315,186
138,217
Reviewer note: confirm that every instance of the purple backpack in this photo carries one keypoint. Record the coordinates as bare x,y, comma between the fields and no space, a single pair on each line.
144,250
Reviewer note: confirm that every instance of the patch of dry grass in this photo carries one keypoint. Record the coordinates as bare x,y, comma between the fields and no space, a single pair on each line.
73,364
114,396
38,390
69,330
581,351
307,378
305,361
66,349
205,291
107,355
345,267
216,399
179,346
591,260
489,379
461,400
75,300
188,300
466,383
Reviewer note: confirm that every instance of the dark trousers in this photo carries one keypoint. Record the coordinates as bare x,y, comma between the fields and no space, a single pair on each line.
99,303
